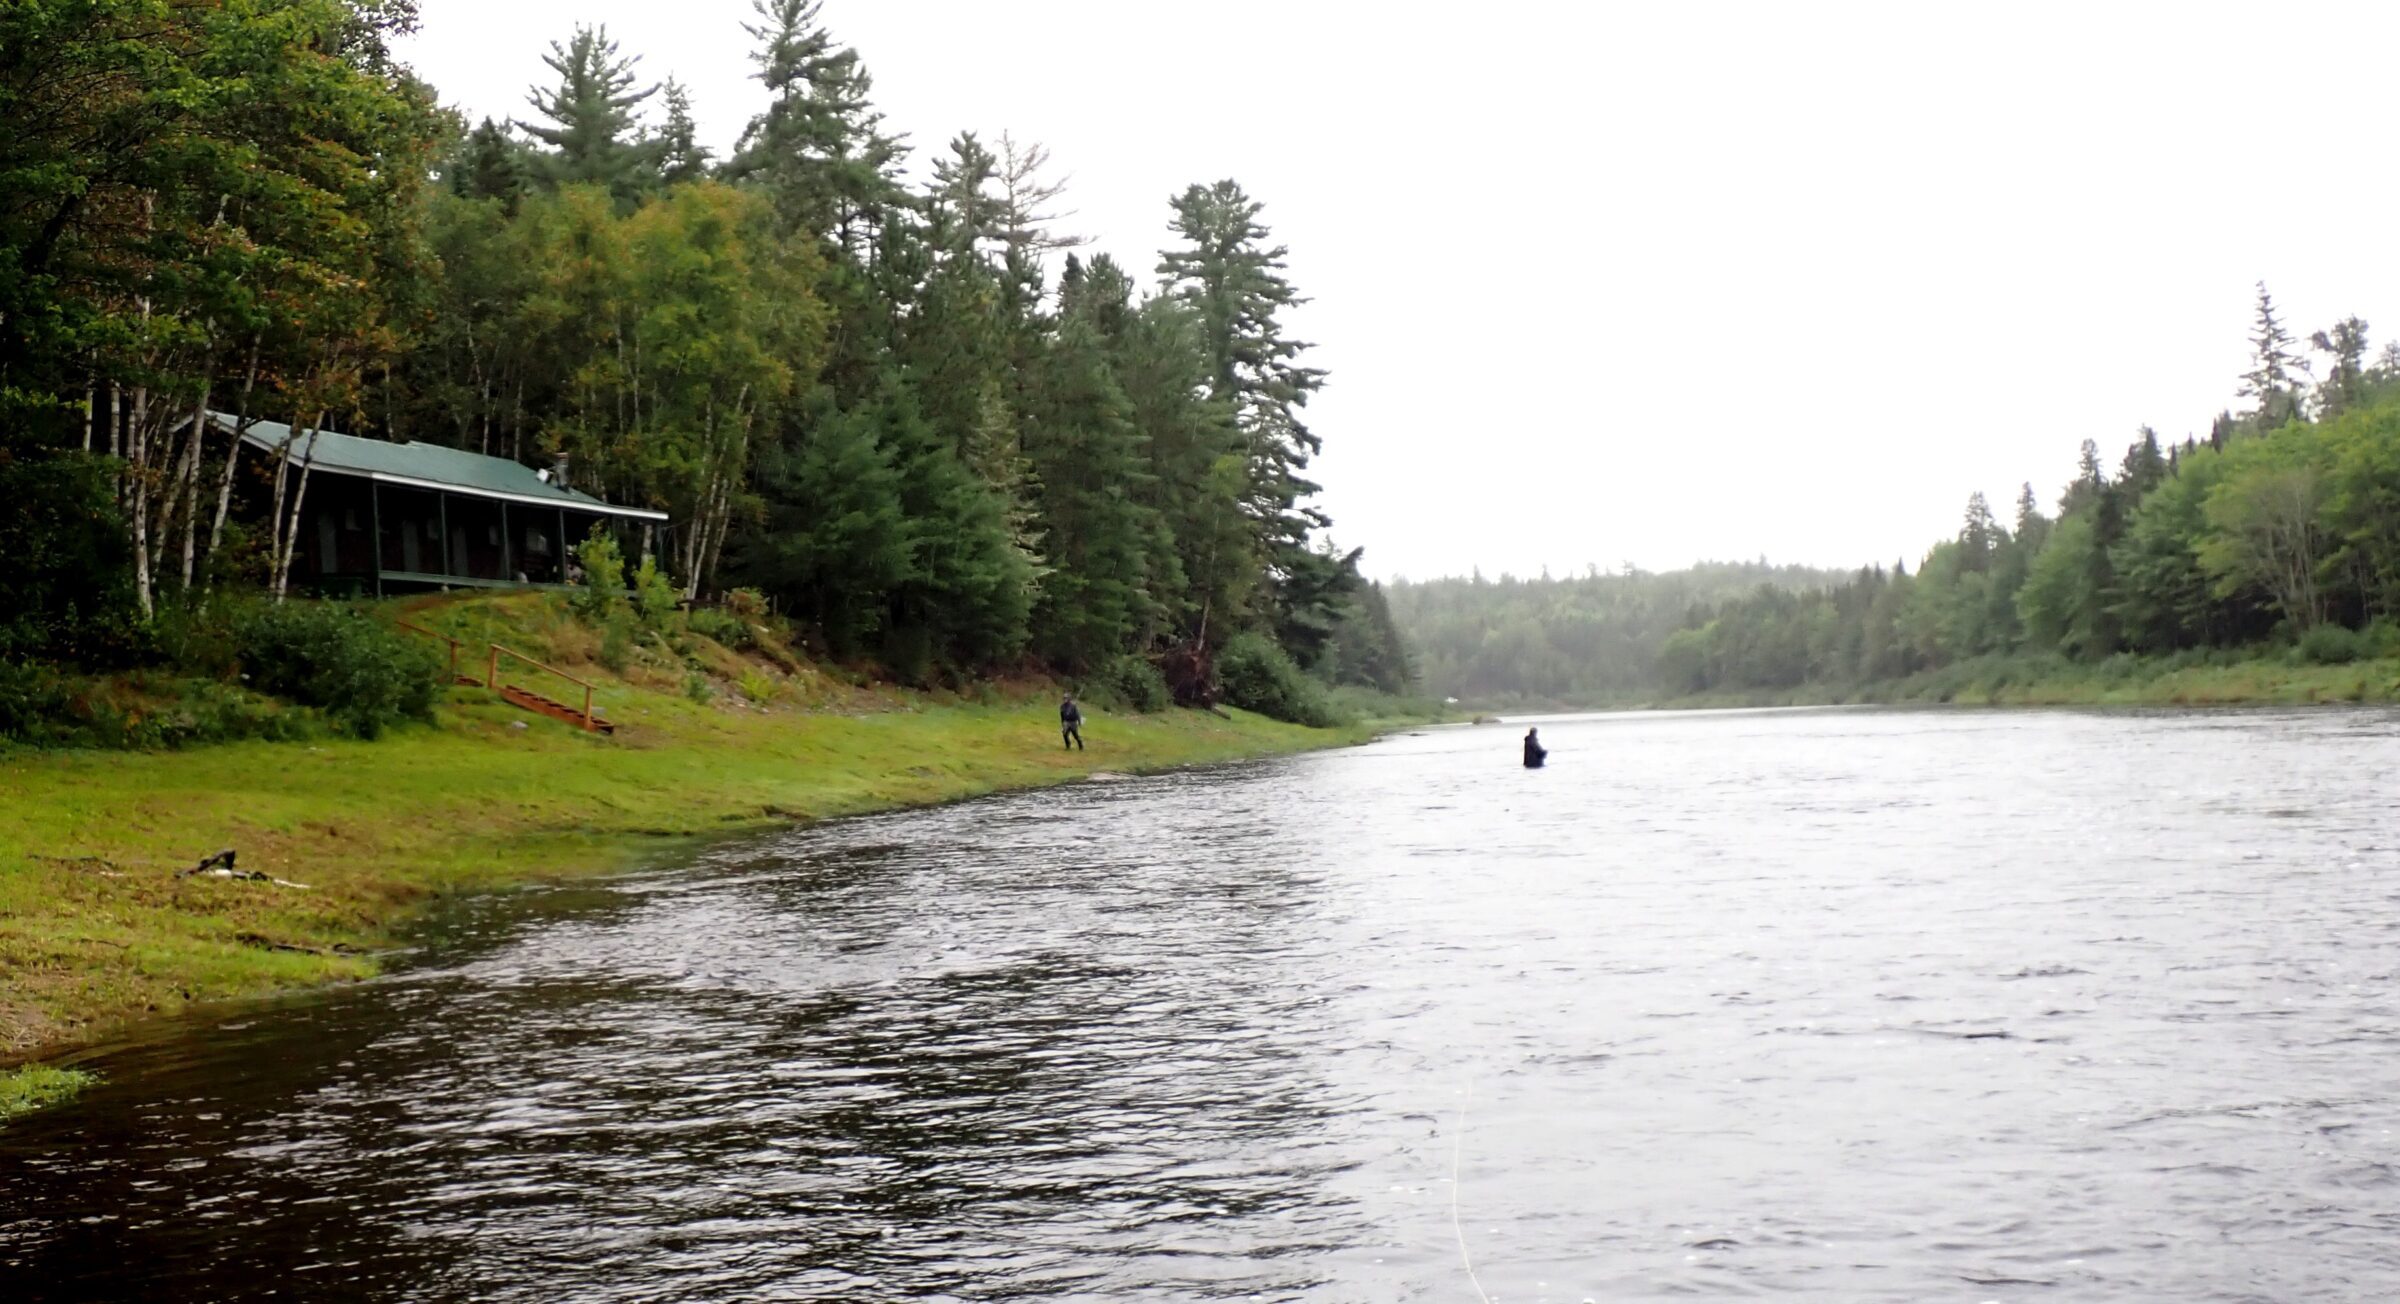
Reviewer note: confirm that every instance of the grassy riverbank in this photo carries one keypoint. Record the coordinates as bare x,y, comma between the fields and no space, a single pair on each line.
97,930
2191,680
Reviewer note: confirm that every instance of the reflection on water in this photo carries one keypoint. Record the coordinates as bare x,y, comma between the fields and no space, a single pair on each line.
1851,1005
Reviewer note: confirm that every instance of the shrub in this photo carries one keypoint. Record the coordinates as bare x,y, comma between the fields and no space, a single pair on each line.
723,626
362,675
616,643
31,699
603,576
758,686
1258,675
653,598
695,687
749,604
1132,683
2333,645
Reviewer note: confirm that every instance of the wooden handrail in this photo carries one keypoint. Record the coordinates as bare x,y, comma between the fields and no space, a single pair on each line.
491,669
491,678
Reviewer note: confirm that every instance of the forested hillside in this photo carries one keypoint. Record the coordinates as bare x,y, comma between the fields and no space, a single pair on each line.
874,381
2280,530
2281,526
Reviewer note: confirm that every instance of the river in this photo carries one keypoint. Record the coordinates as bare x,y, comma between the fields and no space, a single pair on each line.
1860,1005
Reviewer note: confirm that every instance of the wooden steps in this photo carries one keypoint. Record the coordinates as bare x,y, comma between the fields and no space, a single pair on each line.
540,705
516,695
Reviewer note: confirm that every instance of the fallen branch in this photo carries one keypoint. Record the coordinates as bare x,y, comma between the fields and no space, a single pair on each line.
220,865
270,944
222,861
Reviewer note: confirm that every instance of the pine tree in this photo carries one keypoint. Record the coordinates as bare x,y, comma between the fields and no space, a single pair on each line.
1233,282
2276,372
2346,375
819,149
1025,218
1980,534
2032,527
966,214
682,158
2144,467
967,601
489,165
2089,481
1200,475
1102,539
834,542
593,139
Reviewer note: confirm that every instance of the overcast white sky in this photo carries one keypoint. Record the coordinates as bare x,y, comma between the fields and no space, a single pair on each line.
1602,283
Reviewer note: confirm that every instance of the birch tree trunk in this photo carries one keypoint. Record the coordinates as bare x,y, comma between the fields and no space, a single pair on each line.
233,451
188,495
290,530
137,471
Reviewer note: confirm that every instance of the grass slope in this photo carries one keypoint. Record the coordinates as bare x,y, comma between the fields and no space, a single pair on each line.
96,929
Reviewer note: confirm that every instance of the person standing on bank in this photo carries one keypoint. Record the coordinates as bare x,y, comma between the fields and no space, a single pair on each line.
1535,753
1070,724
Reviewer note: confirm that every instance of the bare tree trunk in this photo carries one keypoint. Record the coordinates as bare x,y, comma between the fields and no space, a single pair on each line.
137,469
697,538
233,452
91,411
290,529
716,545
189,495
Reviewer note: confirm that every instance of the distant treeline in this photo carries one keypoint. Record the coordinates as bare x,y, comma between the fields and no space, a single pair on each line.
2281,527
1583,639
898,407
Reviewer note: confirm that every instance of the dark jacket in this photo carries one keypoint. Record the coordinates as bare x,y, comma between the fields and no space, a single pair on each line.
1069,714
1535,753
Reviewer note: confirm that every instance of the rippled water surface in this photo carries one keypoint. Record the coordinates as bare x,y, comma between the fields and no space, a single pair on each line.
1843,1005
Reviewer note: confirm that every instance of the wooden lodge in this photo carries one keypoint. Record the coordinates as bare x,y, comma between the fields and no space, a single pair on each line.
381,517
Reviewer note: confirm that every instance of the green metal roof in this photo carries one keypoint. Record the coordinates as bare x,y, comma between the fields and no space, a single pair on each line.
427,466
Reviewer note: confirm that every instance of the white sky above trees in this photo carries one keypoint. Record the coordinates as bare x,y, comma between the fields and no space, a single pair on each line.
1658,282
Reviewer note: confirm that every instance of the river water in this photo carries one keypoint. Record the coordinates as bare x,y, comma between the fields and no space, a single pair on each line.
1843,1005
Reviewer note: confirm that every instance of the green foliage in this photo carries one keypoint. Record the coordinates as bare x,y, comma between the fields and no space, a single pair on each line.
696,688
2183,550
1258,675
835,540
616,642
363,675
591,130
603,589
653,597
2332,645
1232,282
29,1087
723,627
758,686
32,698
853,399
63,557
1130,683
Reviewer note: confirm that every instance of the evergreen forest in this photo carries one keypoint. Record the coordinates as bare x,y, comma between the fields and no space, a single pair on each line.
879,385
2276,532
